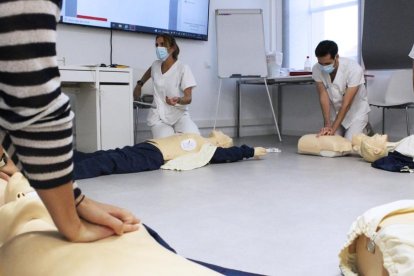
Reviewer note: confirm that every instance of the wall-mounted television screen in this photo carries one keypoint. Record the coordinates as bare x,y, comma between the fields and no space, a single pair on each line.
180,18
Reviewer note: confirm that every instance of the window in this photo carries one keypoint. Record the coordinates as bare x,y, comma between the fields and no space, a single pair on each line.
307,22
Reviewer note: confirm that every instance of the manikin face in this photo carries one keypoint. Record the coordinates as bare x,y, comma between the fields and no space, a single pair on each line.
375,147
220,139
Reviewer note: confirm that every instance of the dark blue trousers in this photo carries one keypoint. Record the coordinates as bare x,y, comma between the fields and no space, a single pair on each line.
219,269
394,162
138,158
232,154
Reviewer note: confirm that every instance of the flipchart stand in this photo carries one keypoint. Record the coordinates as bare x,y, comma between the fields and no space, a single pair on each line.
241,50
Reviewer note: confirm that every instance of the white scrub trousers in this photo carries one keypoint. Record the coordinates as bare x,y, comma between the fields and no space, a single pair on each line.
183,125
359,125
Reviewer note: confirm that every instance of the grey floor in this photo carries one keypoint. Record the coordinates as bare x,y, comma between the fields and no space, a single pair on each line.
286,214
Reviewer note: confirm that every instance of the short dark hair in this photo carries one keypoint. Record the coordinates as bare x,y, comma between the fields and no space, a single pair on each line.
326,47
169,40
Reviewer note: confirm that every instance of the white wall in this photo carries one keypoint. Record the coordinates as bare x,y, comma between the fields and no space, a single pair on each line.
82,45
301,113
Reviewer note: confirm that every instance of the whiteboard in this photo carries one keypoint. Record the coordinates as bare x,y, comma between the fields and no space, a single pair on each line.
240,43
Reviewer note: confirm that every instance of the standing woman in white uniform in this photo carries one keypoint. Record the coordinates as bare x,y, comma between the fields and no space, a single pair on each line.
173,85
342,93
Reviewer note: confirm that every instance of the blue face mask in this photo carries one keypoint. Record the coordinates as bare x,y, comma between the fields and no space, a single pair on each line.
162,53
328,68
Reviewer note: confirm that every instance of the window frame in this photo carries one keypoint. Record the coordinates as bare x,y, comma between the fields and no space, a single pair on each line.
286,17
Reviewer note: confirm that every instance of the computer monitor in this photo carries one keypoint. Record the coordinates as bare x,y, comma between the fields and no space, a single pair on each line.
180,18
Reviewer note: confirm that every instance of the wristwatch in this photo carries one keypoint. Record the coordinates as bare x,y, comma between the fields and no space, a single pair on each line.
140,83
3,160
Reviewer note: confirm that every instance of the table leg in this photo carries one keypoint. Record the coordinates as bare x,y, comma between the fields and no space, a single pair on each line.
279,106
273,111
238,123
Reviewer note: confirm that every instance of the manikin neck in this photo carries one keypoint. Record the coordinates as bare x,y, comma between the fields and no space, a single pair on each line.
392,145
211,140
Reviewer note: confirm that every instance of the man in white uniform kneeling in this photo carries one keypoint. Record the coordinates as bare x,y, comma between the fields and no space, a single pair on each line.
342,94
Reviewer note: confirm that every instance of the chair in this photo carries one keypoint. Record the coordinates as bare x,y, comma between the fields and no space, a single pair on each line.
145,102
391,89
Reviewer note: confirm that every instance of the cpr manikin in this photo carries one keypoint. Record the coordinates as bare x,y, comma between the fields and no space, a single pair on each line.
377,146
184,151
327,146
371,148
31,245
381,242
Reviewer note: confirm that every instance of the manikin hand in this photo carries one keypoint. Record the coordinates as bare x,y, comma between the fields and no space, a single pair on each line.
117,219
259,151
172,101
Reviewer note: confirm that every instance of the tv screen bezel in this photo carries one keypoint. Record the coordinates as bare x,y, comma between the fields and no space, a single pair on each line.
146,30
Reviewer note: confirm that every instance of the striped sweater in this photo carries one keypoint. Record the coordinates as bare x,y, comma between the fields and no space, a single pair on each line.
35,117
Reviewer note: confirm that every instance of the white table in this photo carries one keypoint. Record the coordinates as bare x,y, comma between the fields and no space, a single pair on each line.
103,106
277,81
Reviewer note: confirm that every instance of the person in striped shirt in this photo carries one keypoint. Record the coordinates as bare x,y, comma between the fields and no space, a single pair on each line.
36,122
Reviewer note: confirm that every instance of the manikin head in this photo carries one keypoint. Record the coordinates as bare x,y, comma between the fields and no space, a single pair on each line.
16,190
374,148
22,210
370,148
220,139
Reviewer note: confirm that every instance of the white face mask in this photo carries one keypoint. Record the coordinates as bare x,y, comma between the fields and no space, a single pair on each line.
328,68
162,53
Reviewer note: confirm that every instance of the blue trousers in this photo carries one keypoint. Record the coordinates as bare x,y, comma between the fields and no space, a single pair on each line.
140,157
394,162
219,269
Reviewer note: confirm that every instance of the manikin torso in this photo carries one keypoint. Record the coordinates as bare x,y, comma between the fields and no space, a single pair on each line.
329,146
180,144
177,145
31,245
372,264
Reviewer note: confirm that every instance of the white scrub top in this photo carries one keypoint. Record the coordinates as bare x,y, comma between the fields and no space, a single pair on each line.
411,54
349,74
406,146
172,84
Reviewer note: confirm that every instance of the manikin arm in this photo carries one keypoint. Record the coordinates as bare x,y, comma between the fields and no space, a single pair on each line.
233,154
259,151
